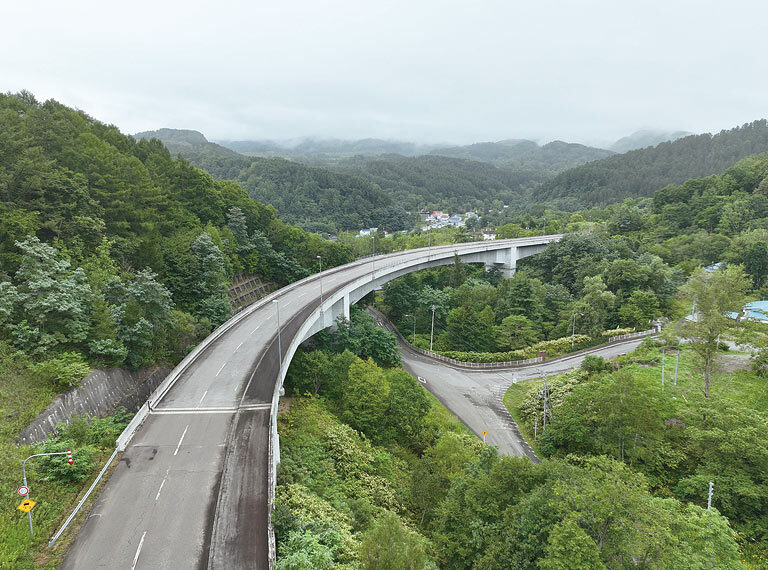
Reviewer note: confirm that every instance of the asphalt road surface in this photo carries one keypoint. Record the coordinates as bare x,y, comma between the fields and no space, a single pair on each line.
191,490
475,396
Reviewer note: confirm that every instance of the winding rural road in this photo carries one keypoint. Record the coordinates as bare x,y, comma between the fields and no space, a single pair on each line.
475,395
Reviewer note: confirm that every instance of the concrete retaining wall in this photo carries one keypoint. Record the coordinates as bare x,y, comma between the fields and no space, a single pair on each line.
99,394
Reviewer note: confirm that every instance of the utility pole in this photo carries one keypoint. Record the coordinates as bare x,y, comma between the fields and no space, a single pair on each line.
709,496
321,280
677,365
279,341
432,329
662,368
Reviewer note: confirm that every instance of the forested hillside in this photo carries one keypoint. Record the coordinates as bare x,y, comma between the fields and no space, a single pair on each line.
642,172
356,189
111,248
317,199
452,184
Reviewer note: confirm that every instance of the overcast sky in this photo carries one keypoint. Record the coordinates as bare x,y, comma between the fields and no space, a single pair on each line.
422,70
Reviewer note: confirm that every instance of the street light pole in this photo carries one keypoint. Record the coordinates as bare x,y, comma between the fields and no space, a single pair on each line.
413,338
24,476
432,329
279,341
573,332
321,280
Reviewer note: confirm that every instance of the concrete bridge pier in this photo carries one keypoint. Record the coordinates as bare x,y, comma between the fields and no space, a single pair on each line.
506,259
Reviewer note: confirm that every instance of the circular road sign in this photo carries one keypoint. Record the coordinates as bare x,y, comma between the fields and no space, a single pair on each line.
23,490
485,432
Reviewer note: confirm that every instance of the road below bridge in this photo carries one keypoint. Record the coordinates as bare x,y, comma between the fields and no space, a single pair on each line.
475,396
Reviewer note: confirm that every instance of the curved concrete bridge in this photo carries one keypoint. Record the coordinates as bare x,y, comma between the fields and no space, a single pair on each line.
195,484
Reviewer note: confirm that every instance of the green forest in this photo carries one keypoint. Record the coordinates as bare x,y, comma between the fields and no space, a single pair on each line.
375,474
642,172
112,254
358,189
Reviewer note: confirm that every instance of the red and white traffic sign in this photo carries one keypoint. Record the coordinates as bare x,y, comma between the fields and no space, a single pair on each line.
23,490
69,457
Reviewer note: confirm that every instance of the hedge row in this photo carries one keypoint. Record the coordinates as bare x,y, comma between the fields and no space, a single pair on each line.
551,347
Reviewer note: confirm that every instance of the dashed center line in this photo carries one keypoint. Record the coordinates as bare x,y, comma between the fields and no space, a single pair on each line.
257,328
161,484
138,550
220,369
182,439
238,346
203,398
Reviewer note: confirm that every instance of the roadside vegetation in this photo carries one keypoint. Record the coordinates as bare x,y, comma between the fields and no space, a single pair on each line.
54,485
373,476
700,419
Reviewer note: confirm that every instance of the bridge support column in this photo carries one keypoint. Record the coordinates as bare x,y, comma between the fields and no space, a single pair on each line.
346,306
505,260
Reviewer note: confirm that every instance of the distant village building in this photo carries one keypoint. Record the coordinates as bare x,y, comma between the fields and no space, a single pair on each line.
756,311
368,231
489,235
715,266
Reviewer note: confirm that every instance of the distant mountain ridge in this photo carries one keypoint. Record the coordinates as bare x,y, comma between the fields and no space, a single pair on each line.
645,138
186,141
551,158
316,148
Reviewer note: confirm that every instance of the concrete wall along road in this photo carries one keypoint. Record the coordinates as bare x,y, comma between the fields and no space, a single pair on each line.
99,394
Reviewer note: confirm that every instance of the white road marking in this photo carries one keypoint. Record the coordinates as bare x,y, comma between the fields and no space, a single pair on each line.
257,328
238,346
256,407
422,380
203,398
182,439
177,411
138,550
161,484
220,369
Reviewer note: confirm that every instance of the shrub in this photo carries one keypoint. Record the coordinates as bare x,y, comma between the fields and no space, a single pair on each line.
594,364
617,332
56,468
551,347
63,371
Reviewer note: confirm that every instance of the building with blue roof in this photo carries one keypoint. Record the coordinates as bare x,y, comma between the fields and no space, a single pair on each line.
756,311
